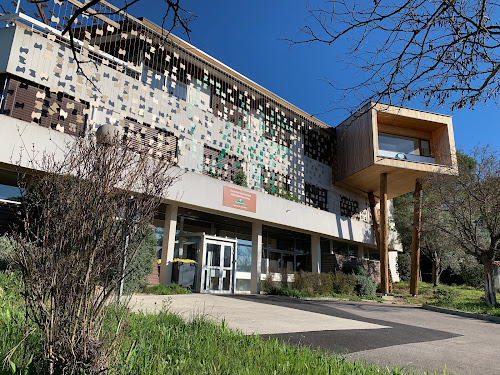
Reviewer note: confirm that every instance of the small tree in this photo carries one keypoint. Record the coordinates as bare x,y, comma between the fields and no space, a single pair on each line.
440,250
469,206
79,214
241,178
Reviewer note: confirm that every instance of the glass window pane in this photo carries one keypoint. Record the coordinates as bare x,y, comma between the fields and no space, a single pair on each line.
242,285
212,279
396,143
426,148
243,256
227,255
226,280
213,255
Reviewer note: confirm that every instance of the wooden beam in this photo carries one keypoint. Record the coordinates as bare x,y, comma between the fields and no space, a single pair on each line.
415,238
384,235
40,10
375,221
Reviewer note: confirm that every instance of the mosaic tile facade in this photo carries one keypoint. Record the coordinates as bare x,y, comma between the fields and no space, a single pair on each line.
162,95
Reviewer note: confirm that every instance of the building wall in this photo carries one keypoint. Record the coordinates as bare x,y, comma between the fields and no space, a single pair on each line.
266,159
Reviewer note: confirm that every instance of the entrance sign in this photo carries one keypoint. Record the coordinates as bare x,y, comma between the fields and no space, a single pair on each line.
239,199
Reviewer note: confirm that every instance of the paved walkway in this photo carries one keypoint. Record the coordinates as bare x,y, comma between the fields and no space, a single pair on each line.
407,337
247,315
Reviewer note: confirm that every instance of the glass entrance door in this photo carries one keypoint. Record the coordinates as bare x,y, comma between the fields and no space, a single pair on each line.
218,266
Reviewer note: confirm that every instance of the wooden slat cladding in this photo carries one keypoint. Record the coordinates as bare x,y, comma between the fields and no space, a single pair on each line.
316,197
38,105
218,163
159,143
9,217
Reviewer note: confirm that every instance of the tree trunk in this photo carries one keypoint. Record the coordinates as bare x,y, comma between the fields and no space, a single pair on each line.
436,269
489,287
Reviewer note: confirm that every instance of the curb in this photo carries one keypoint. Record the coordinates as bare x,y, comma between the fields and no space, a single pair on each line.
490,318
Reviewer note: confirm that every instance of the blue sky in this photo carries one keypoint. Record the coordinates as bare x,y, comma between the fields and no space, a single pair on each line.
245,35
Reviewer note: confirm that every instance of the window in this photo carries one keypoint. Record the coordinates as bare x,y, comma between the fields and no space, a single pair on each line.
30,102
345,248
143,136
316,197
219,164
317,144
348,207
404,145
176,88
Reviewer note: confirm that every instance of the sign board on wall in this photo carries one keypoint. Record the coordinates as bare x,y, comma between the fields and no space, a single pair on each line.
239,199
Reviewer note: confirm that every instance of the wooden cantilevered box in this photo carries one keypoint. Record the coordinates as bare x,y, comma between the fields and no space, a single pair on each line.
404,143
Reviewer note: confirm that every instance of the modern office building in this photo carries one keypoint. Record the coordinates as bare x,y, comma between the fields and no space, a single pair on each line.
306,203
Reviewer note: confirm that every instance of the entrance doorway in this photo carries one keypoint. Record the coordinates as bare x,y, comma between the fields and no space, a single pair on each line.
216,259
218,268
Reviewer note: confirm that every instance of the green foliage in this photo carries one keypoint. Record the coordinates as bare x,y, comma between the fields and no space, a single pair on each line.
213,174
403,265
6,253
472,272
241,178
142,263
313,283
445,296
13,327
283,193
324,283
355,268
282,291
365,286
166,290
463,298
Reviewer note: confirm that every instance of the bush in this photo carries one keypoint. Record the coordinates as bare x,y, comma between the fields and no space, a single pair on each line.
6,253
365,286
354,268
343,283
142,263
324,283
280,291
403,265
473,272
309,284
241,178
166,290
313,283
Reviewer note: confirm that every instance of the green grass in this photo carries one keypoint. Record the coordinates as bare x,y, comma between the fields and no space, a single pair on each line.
166,290
166,344
463,298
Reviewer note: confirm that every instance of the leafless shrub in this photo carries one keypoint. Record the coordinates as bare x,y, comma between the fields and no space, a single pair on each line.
79,213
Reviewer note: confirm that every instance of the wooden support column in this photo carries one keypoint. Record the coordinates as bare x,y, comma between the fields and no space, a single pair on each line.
415,238
384,235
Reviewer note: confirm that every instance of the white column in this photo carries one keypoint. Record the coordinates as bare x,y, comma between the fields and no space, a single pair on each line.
256,257
167,248
316,253
360,251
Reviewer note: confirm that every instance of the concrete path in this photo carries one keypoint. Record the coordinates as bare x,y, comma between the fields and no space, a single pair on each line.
246,315
390,335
